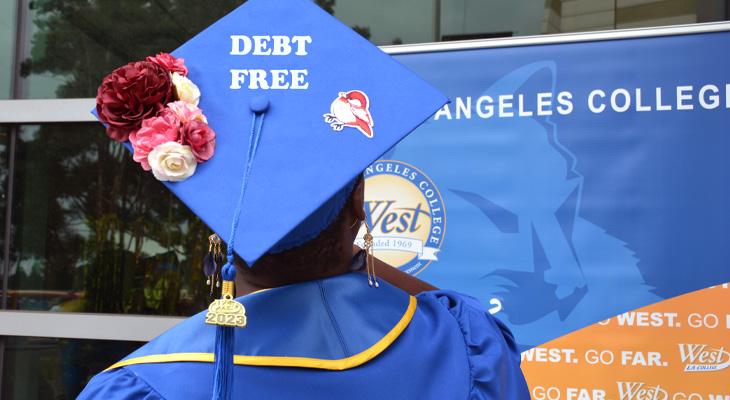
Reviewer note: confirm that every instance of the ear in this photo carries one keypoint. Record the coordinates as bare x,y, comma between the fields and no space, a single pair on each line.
358,199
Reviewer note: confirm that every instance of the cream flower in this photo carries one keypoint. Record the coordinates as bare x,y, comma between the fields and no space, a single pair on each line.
172,161
186,89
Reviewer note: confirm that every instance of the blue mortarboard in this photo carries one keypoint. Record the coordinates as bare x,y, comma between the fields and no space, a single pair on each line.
300,105
335,104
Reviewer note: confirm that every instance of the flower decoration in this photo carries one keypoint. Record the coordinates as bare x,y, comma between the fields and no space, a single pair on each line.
154,132
154,105
200,138
130,94
172,161
185,89
186,112
170,63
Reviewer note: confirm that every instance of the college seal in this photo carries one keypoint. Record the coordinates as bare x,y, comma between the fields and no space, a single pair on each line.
406,213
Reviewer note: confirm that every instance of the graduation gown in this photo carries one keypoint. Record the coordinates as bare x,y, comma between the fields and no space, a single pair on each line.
334,338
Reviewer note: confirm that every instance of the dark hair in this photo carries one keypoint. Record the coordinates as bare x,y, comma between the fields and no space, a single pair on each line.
316,257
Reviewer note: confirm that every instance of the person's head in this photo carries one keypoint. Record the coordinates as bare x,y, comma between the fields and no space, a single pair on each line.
330,253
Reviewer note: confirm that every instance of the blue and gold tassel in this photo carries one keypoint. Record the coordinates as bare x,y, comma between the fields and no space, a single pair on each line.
226,312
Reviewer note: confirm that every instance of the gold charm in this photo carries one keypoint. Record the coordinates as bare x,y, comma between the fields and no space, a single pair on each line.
226,311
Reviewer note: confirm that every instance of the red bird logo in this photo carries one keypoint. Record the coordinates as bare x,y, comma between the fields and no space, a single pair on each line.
351,109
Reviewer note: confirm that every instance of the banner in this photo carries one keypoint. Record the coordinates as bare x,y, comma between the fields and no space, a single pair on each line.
673,350
567,184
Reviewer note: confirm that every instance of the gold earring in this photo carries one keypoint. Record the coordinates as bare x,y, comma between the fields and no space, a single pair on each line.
369,260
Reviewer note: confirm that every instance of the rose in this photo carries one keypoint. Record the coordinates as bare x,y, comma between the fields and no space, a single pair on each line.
172,161
201,139
186,89
170,63
130,94
186,112
154,131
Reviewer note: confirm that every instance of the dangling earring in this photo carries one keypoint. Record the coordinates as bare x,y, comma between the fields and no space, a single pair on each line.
369,259
211,263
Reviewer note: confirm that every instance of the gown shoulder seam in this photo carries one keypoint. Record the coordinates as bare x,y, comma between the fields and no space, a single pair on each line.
469,364
144,381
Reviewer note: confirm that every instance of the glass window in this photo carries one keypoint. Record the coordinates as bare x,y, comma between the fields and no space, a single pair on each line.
93,232
590,15
50,369
7,47
390,21
73,44
70,46
411,21
474,19
4,142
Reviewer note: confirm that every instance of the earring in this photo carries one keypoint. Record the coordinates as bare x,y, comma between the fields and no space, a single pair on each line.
369,260
212,262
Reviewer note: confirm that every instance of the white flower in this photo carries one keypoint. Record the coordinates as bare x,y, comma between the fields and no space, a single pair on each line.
172,161
186,89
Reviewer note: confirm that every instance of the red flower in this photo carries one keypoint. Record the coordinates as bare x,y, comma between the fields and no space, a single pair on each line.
200,137
170,63
130,94
154,131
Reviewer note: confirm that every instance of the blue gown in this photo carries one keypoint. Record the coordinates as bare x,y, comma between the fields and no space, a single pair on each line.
335,338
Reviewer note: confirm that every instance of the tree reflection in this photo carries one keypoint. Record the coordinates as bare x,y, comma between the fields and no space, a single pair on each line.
97,223
89,221
102,226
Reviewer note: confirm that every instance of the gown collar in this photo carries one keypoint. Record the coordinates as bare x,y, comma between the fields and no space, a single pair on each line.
335,323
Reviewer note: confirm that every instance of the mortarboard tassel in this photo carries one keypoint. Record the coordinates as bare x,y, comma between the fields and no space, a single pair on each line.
224,344
226,312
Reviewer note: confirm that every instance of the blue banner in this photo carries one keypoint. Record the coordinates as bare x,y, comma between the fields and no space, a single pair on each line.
565,183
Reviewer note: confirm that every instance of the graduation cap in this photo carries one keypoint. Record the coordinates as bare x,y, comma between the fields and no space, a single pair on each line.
300,105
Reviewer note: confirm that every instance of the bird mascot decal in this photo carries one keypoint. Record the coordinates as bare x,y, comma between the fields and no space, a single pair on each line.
351,109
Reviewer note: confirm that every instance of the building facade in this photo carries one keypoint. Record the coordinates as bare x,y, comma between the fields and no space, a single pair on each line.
97,256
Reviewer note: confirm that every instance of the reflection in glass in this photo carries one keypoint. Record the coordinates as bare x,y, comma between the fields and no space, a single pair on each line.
53,369
387,22
473,19
93,232
70,45
4,142
7,47
73,44
413,21
592,15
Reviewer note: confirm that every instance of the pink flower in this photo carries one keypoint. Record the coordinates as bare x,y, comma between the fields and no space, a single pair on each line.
170,63
154,131
186,112
200,138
